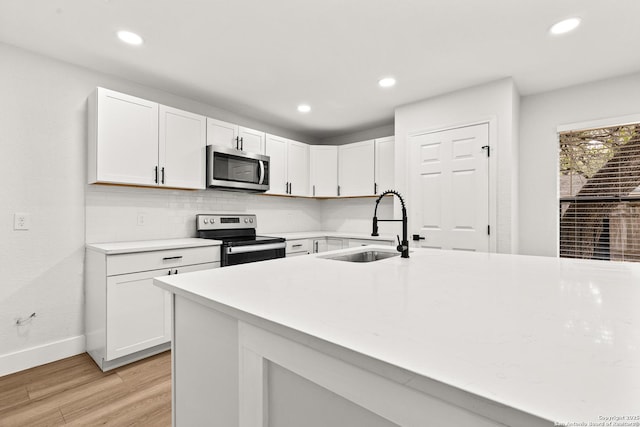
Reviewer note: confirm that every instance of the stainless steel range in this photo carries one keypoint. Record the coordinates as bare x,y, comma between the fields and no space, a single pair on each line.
238,234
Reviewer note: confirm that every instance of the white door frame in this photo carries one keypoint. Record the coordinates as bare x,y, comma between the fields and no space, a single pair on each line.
493,170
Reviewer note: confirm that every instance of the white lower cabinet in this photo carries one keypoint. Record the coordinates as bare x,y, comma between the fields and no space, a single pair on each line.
298,247
325,244
354,243
127,317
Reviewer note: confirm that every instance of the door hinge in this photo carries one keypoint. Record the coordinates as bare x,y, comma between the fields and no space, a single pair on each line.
488,230
486,147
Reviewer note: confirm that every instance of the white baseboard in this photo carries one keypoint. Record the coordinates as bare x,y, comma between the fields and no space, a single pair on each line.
36,356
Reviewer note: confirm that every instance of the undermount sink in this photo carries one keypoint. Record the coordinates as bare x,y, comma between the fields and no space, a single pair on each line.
367,255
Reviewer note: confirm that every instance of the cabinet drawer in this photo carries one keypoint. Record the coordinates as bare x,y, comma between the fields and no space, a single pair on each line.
364,242
155,260
300,245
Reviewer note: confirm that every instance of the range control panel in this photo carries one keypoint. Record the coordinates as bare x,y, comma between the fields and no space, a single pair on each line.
225,221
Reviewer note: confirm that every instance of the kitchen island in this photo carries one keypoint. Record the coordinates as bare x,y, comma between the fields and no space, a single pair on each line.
441,338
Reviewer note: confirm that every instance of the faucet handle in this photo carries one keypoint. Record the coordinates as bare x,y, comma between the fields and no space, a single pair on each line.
399,248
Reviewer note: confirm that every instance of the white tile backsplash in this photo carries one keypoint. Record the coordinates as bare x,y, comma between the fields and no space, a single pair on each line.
112,212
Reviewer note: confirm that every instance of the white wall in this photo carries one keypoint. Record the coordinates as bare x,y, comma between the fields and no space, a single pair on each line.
43,137
496,102
377,132
540,116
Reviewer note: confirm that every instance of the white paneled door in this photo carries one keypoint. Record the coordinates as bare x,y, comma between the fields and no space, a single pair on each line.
450,188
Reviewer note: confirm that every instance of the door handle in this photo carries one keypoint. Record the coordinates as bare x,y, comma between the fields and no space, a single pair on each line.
171,258
156,179
162,181
237,142
242,144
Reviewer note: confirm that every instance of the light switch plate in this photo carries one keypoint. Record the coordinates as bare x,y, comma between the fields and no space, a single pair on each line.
21,221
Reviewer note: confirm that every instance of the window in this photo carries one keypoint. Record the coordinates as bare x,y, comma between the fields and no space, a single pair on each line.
599,195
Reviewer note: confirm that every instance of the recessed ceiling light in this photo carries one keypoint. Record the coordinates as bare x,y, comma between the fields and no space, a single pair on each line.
565,26
387,82
130,38
304,108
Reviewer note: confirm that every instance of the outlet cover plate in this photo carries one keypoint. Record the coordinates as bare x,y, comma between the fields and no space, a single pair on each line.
21,221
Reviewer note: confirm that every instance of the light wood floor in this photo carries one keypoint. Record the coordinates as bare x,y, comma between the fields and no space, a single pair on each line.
75,391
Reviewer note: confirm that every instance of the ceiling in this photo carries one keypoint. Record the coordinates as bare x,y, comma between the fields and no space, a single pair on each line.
261,58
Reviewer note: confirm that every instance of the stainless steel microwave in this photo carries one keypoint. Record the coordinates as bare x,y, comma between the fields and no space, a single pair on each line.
231,169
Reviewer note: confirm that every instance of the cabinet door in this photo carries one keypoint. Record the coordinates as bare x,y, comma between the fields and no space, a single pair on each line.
276,149
356,168
138,312
319,245
251,140
323,170
298,168
126,139
334,244
182,148
221,133
385,167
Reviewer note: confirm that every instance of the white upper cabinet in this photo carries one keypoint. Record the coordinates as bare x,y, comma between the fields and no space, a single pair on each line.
251,140
356,169
276,149
222,133
123,139
298,168
323,170
288,166
182,153
384,169
227,134
138,142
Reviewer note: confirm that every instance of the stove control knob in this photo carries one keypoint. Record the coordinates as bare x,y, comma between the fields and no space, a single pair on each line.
246,220
251,220
206,221
212,220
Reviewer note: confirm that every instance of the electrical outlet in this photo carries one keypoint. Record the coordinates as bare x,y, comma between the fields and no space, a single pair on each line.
21,221
141,219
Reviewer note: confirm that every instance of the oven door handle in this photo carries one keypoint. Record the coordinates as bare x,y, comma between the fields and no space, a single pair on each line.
254,248
261,172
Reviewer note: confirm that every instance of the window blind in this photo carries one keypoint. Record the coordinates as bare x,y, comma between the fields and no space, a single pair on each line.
599,203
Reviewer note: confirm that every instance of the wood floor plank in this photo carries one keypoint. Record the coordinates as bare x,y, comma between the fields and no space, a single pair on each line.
153,370
33,415
135,408
12,396
74,391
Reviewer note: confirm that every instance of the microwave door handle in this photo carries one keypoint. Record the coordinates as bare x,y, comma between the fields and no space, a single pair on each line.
261,172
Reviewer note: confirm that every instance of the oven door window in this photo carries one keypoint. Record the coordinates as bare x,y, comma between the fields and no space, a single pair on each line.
227,167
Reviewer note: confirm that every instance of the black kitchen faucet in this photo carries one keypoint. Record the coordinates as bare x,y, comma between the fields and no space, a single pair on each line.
403,246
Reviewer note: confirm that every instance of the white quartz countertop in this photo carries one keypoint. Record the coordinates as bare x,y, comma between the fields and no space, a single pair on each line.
557,338
151,245
336,234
